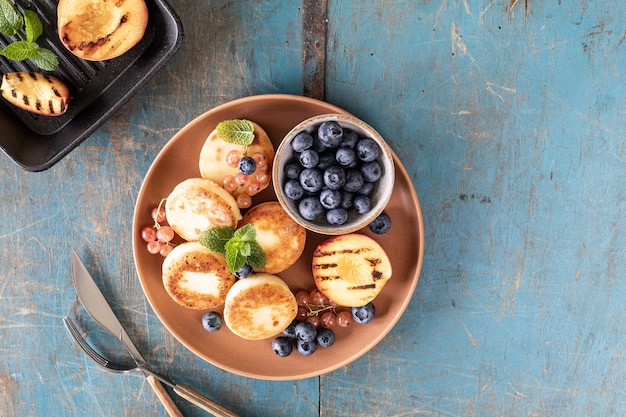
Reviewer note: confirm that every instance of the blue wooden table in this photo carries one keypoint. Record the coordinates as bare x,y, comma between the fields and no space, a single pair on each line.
509,117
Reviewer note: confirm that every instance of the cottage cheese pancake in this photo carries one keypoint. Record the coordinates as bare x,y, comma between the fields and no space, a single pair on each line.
196,277
281,238
213,164
198,204
259,307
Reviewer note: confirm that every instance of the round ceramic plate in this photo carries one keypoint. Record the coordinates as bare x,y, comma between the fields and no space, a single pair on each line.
404,244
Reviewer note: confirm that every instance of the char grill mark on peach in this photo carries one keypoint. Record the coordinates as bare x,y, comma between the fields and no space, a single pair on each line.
325,266
362,287
320,253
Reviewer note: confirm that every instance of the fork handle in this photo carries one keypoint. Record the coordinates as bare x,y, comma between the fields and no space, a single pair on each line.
203,402
166,400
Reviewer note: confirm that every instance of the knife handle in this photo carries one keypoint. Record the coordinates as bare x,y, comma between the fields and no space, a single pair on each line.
166,400
203,402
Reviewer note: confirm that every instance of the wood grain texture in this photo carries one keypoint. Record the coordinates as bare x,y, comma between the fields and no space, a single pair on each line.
509,116
510,121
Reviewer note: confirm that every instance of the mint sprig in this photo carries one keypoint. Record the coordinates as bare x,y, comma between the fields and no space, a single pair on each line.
27,28
237,131
239,246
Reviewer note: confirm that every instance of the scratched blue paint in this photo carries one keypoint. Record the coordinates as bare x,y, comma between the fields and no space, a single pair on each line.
510,122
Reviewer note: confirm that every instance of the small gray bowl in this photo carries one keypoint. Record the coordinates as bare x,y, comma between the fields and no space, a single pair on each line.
379,196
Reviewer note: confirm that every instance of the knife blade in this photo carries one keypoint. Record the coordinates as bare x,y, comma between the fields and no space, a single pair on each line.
98,308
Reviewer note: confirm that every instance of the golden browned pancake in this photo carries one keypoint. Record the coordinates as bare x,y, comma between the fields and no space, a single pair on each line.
213,163
198,204
196,277
259,307
281,238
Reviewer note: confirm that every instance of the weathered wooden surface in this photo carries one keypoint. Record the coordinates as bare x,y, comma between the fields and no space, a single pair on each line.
509,117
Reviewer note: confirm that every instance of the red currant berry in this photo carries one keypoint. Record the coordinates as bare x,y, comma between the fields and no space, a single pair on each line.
158,214
148,234
314,320
165,250
154,247
302,298
253,188
317,298
242,179
229,183
244,201
165,234
328,319
344,318
302,313
233,157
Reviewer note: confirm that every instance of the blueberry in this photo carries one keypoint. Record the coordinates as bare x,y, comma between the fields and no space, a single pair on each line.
293,190
290,331
293,170
347,199
363,314
306,348
282,346
335,177
310,208
346,157
308,158
337,216
327,159
371,171
305,331
311,180
330,199
247,165
362,204
350,138
354,181
330,134
244,272
325,337
318,146
211,321
301,142
381,224
367,150
367,188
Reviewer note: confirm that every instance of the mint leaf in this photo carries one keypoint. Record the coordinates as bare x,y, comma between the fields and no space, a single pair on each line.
11,23
234,258
239,132
10,19
34,28
46,59
246,233
216,238
239,246
19,51
256,259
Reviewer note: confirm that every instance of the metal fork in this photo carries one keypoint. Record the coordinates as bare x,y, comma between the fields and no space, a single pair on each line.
182,390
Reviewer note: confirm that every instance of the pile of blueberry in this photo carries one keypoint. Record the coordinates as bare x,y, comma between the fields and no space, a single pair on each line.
307,337
334,171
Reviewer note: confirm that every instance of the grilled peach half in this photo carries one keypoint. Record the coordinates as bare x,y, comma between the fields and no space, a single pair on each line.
35,92
351,269
98,30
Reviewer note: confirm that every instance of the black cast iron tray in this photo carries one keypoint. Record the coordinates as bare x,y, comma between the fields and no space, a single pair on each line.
98,88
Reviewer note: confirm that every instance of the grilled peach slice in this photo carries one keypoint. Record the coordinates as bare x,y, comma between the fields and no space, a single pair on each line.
351,269
98,30
35,92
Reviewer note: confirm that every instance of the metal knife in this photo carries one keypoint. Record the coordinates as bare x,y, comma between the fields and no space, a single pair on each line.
96,305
